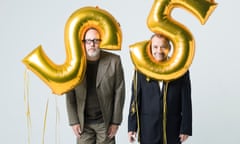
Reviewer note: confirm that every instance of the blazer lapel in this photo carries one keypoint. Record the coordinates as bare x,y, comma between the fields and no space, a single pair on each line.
102,68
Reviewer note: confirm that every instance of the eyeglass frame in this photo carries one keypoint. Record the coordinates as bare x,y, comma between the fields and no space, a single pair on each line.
94,41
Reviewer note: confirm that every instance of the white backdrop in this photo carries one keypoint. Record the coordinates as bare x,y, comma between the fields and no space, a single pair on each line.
25,24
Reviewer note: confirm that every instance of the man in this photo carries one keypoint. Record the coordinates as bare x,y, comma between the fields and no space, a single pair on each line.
148,118
95,106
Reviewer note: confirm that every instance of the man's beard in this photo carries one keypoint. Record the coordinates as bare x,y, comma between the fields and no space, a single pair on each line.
94,53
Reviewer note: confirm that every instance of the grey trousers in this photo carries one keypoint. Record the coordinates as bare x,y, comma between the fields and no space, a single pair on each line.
95,134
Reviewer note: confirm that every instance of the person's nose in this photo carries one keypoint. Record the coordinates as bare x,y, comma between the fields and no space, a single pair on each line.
159,49
92,43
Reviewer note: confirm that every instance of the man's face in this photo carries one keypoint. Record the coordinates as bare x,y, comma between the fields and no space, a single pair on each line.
92,41
159,48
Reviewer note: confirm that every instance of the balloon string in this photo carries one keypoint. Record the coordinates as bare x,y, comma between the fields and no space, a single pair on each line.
28,114
57,137
27,105
45,120
165,113
134,106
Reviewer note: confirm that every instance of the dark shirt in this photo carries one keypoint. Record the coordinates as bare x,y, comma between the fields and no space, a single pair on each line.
93,112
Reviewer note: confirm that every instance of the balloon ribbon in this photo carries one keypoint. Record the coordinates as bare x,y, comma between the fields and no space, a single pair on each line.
45,119
27,106
165,113
57,137
28,114
135,103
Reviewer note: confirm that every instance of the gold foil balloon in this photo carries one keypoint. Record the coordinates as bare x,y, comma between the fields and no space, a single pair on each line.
160,21
62,78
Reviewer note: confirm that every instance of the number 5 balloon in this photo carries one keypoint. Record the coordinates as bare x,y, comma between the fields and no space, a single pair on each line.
62,78
160,21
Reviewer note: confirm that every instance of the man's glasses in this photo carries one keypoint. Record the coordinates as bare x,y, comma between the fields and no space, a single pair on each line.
94,41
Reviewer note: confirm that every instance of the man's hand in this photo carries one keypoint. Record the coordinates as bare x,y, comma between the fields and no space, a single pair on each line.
77,130
112,130
132,136
183,137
